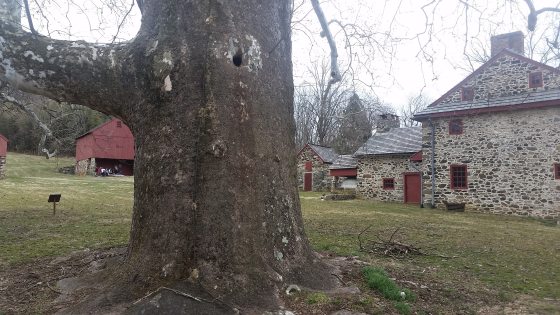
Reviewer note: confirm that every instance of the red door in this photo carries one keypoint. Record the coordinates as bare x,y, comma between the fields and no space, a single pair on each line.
308,176
307,181
412,188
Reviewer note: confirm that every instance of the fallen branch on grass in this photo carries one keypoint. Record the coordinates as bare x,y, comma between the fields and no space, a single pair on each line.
391,247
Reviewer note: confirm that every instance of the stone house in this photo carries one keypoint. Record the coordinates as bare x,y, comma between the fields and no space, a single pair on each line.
313,163
389,165
3,153
492,142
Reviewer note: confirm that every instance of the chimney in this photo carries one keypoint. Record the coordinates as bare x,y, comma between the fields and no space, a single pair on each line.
512,41
385,122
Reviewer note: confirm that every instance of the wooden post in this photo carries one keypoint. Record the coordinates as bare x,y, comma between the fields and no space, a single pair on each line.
54,198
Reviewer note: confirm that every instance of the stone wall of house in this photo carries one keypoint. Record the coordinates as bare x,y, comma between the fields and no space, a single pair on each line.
510,160
372,169
2,167
507,76
321,179
85,167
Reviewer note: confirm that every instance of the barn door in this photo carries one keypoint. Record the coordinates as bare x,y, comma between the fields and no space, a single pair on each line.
412,188
308,176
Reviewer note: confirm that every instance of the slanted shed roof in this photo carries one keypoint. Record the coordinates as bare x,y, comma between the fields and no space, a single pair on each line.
344,162
539,97
325,153
394,141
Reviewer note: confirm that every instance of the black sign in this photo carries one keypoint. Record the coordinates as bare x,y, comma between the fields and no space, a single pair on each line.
54,197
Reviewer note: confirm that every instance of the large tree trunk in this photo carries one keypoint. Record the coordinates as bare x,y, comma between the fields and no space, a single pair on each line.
206,87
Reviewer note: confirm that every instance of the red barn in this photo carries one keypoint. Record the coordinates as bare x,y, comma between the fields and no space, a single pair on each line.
3,153
108,146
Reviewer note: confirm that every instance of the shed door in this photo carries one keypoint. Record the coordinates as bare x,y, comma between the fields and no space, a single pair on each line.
307,181
412,188
308,176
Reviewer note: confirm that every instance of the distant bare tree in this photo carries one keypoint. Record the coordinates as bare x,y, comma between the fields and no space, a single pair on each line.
318,104
415,104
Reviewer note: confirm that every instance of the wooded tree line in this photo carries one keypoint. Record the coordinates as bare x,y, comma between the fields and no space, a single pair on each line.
65,122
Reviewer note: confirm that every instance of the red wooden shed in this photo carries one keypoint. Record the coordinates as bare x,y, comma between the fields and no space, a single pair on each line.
109,146
3,153
3,145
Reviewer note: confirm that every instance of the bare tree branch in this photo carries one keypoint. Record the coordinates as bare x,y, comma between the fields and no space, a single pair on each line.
533,14
29,18
76,72
335,72
47,133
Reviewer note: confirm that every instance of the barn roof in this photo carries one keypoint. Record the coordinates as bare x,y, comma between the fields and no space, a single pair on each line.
394,141
326,154
98,127
344,162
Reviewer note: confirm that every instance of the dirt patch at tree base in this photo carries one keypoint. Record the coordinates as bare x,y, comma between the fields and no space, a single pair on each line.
52,285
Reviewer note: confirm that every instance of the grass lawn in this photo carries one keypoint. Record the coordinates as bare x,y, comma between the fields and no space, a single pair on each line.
491,259
93,212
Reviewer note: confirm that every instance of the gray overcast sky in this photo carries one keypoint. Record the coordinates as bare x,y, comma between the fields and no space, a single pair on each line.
419,44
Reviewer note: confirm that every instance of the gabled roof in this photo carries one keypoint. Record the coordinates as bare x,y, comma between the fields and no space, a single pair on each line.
344,162
437,108
326,154
544,98
394,141
98,127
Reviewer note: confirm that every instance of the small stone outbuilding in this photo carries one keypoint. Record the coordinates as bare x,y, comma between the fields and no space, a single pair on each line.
389,165
492,142
313,163
3,154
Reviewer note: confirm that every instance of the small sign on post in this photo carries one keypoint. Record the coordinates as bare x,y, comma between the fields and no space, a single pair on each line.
54,198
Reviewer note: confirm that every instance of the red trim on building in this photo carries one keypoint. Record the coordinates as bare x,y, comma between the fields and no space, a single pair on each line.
416,157
461,171
455,127
535,79
308,166
406,188
344,172
556,170
388,184
467,93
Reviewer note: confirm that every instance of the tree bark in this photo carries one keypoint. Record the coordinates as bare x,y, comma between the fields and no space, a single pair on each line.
207,90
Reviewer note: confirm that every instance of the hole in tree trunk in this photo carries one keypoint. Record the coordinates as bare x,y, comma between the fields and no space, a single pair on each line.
238,58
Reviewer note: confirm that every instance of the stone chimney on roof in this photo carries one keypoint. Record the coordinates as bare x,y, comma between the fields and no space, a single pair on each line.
512,41
385,122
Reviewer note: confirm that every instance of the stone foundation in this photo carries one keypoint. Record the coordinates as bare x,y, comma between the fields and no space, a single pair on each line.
2,167
85,167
